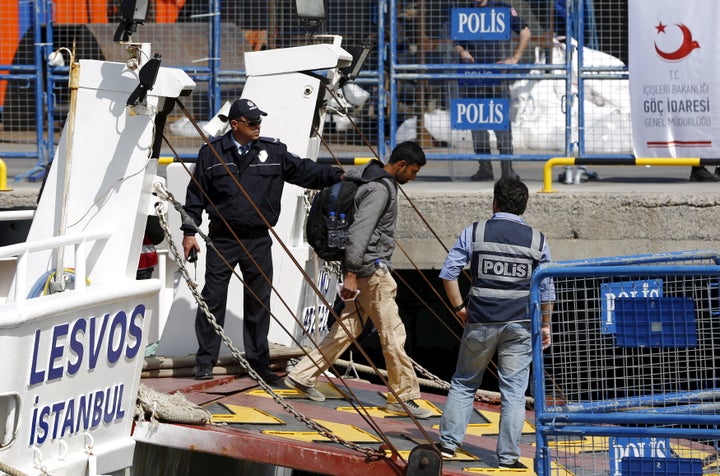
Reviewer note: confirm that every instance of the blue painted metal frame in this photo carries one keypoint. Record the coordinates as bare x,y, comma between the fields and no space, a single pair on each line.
589,419
387,68
380,73
41,10
586,10
437,72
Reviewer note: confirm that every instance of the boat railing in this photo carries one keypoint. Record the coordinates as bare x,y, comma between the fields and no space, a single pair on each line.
22,251
10,215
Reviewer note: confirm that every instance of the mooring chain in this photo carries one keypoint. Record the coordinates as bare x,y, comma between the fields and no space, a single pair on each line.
430,376
162,192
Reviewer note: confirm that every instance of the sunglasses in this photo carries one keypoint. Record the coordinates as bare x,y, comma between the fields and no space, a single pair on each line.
251,122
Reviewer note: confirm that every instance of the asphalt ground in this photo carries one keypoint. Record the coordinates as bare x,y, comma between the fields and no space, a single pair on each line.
444,175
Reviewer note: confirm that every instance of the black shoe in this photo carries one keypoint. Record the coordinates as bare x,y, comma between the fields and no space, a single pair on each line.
203,373
516,465
506,170
482,176
269,377
701,174
445,452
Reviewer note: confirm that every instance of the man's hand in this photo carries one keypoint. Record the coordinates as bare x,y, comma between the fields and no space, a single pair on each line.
189,243
546,336
349,287
462,314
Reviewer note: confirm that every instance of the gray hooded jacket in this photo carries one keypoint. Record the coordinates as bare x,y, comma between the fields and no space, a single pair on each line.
372,233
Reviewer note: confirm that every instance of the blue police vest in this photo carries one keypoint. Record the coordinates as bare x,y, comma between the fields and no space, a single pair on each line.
505,253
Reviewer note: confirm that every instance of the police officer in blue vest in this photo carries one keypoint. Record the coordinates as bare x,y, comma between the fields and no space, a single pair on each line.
502,253
261,165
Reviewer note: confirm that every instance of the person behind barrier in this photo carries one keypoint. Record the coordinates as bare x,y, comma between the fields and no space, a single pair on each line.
502,252
701,174
261,165
368,288
492,52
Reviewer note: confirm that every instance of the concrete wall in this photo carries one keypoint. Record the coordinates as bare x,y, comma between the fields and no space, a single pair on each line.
582,222
577,225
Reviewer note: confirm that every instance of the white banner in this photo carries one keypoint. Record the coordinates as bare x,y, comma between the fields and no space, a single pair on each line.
674,63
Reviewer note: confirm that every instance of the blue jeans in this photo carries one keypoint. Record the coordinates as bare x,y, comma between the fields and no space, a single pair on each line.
513,344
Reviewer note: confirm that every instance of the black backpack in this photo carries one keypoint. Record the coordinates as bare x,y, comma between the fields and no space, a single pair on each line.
338,198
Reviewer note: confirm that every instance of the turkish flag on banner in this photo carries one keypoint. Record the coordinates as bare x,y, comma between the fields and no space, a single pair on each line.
674,64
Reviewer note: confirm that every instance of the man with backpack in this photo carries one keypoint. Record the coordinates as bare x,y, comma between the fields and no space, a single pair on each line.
368,288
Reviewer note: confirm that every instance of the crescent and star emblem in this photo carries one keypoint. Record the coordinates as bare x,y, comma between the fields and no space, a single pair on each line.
688,44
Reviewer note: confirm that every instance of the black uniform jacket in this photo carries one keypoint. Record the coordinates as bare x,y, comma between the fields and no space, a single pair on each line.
262,173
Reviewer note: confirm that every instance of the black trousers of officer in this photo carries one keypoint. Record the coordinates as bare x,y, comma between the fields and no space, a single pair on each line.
256,304
481,137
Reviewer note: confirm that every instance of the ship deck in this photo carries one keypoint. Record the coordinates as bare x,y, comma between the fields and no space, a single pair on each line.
248,424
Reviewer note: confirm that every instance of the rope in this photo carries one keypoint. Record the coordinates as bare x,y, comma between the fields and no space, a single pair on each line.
432,381
10,471
173,408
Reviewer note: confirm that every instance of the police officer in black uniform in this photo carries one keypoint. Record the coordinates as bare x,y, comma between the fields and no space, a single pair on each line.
261,165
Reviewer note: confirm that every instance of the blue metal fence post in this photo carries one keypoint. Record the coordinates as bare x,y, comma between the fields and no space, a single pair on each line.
542,461
214,59
569,102
391,71
44,148
580,32
45,51
382,58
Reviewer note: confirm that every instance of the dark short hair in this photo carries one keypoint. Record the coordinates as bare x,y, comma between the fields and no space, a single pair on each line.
510,195
408,151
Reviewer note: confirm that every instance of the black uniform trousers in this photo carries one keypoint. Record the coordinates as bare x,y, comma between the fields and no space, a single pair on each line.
481,137
256,297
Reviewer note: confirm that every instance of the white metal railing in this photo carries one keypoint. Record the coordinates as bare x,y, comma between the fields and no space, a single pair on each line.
22,251
9,215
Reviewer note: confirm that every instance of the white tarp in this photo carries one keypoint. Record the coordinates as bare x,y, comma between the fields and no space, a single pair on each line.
673,58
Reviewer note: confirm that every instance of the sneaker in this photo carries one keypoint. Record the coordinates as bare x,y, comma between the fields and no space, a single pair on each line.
445,452
416,410
701,174
203,373
310,392
515,465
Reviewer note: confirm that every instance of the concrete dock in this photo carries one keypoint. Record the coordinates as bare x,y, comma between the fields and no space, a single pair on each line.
628,210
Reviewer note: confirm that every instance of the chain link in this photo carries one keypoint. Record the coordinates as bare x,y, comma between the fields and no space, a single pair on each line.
481,395
430,376
165,194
